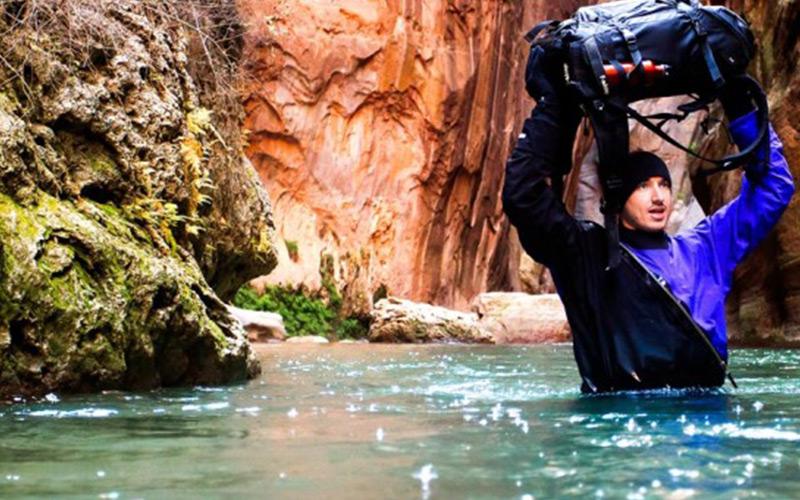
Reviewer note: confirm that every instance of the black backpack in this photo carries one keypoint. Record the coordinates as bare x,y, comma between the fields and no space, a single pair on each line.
620,52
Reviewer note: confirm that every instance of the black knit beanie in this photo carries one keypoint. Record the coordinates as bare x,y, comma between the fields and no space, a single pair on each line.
641,166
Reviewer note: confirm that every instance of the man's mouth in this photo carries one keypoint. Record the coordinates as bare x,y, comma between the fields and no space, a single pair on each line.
657,212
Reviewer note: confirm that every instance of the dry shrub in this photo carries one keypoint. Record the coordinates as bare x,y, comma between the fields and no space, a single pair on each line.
78,33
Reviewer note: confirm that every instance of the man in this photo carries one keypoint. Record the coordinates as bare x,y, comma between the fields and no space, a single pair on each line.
658,318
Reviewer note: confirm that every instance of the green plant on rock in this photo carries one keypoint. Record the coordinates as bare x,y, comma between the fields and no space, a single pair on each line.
158,218
328,281
293,250
352,328
303,313
196,176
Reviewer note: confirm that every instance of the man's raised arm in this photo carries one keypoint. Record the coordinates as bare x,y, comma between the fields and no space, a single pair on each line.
767,188
543,149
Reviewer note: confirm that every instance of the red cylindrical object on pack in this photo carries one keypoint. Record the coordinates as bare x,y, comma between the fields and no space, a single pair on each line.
650,70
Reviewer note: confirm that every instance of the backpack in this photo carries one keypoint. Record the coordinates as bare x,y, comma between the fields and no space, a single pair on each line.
621,52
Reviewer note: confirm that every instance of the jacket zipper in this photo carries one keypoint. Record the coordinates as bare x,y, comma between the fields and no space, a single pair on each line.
663,284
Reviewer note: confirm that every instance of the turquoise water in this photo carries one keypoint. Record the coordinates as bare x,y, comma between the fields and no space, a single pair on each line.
367,421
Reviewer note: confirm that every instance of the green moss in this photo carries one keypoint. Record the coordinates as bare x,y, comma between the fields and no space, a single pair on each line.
103,165
72,272
16,220
264,244
353,328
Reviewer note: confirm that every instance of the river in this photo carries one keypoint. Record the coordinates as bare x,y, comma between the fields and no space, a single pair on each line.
401,421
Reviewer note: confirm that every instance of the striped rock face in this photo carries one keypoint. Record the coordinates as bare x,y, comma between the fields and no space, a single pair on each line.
380,130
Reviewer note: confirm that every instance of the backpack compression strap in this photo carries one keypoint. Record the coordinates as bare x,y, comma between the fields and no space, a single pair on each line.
611,133
533,33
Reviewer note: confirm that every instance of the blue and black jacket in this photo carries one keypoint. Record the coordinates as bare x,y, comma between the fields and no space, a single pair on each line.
657,319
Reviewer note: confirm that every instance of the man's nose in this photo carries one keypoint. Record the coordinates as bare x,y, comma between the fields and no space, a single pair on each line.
658,194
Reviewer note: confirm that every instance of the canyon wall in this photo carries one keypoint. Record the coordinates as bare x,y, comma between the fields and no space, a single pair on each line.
764,306
381,130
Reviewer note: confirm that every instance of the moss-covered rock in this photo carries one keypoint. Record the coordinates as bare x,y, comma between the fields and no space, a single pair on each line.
85,305
125,202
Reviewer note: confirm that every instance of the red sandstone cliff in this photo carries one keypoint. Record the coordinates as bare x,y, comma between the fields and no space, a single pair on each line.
381,129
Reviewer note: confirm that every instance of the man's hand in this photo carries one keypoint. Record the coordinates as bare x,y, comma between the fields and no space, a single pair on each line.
543,79
736,99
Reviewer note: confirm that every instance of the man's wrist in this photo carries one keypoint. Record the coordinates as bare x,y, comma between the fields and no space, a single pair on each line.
737,108
744,129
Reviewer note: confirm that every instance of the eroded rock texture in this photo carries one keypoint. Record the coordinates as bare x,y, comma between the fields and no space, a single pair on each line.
381,130
122,189
521,318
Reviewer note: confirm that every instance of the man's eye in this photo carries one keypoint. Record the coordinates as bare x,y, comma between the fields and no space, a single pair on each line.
642,185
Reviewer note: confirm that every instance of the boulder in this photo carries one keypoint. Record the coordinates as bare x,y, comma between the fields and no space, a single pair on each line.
397,320
521,318
534,277
261,326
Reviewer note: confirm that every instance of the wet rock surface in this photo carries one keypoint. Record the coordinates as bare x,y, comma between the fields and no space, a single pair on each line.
122,192
261,326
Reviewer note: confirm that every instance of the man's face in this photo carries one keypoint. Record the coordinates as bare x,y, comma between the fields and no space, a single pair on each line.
649,206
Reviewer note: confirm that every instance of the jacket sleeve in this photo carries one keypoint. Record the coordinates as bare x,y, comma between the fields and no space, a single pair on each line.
543,224
738,227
